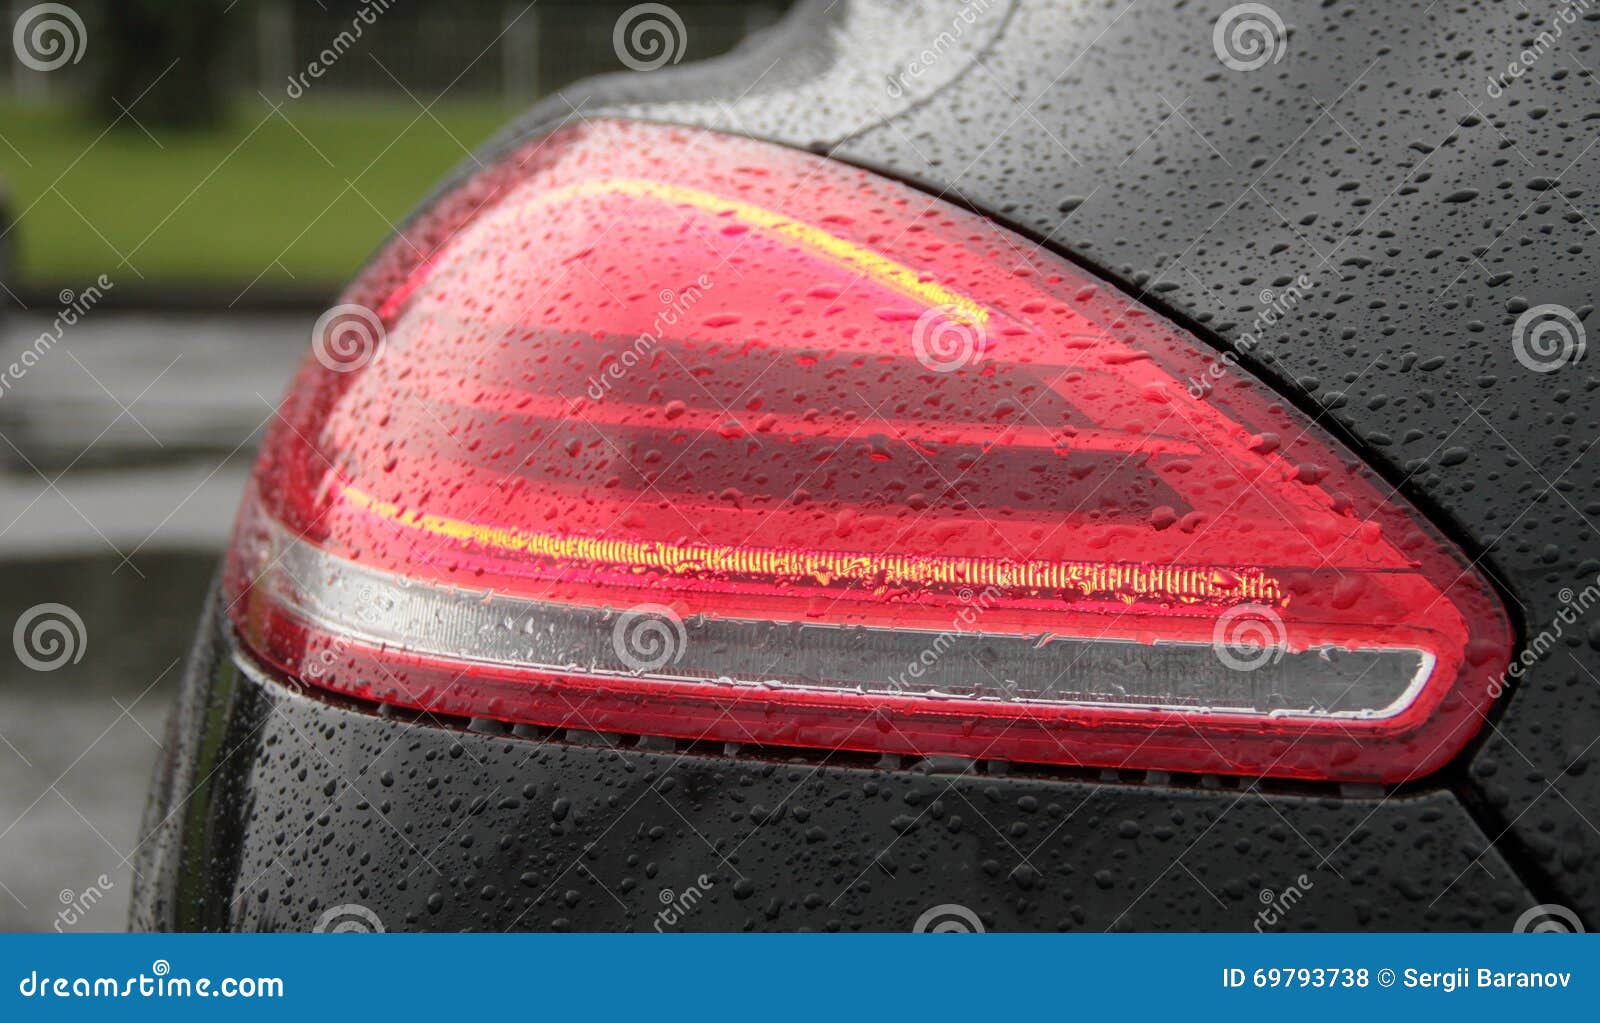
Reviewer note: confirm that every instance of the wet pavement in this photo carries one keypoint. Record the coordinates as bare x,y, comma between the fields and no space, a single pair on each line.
125,446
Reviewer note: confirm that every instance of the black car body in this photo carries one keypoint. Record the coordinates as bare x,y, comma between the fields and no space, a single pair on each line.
1386,154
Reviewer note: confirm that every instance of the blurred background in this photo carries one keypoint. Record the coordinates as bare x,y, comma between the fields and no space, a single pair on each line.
184,186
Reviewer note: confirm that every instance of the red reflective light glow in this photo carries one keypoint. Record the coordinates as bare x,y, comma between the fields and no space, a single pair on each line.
677,434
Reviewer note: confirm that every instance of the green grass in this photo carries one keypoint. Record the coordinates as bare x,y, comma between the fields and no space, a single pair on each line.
296,200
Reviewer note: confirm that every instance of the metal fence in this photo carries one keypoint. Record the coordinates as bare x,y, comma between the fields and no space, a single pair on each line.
473,48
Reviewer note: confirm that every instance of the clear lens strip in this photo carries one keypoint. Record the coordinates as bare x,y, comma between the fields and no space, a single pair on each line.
643,641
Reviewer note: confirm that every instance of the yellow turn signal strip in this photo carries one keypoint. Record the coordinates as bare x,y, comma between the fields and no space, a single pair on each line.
880,269
1184,584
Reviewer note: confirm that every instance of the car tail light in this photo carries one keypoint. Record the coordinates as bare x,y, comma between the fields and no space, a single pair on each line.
655,431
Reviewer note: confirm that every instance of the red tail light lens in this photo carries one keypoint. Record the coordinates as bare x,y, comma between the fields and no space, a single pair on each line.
661,432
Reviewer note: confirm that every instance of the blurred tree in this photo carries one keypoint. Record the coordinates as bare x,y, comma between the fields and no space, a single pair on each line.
168,55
